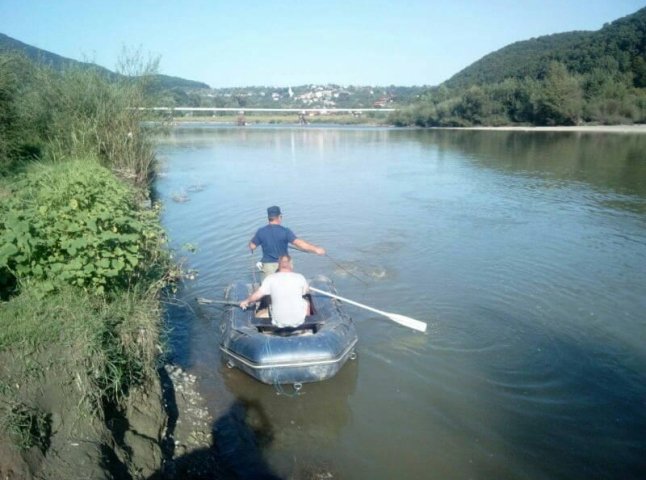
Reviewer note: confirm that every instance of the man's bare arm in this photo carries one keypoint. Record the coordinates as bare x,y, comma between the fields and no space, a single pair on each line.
254,297
308,247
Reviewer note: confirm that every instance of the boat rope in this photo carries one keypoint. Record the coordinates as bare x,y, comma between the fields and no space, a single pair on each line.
278,387
337,264
254,266
346,270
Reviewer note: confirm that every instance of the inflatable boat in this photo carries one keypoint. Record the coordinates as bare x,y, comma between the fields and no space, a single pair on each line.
314,351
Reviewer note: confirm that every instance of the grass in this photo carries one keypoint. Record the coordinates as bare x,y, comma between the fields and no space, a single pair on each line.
107,346
32,320
27,427
116,339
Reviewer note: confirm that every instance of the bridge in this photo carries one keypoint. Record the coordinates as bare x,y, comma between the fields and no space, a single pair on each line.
241,120
242,110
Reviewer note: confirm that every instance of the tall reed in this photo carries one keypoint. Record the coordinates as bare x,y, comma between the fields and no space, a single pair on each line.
84,112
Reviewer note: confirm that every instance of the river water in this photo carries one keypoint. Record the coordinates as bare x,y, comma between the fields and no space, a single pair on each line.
525,252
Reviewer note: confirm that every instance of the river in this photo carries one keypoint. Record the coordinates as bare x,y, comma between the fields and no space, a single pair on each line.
525,252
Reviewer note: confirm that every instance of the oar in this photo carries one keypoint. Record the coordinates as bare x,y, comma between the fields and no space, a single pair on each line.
208,301
401,319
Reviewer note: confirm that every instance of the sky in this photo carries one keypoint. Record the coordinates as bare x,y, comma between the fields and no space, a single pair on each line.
237,43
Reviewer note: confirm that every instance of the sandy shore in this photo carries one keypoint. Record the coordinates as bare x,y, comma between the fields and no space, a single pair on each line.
583,128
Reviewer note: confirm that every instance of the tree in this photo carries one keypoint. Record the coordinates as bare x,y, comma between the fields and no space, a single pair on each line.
560,101
639,69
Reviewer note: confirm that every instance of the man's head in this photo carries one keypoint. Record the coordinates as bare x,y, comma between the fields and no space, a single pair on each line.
273,213
285,264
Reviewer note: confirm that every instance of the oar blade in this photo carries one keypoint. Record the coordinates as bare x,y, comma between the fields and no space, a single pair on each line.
408,322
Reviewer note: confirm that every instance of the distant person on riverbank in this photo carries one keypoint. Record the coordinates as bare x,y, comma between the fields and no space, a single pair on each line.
275,239
286,289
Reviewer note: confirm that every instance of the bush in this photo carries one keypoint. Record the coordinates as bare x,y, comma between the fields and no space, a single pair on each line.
17,141
75,223
75,113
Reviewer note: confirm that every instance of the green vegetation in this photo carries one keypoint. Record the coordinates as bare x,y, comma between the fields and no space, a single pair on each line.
28,427
54,116
558,98
90,349
76,223
617,48
565,79
82,259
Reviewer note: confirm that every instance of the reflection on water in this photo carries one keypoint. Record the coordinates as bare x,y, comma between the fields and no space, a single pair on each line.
612,162
524,252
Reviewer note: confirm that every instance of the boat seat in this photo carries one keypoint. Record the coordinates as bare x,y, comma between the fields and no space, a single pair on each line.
302,329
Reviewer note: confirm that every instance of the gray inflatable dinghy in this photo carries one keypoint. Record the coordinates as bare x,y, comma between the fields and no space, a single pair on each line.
311,352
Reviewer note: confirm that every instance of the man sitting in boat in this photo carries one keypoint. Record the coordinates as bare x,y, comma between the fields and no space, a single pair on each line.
275,239
286,289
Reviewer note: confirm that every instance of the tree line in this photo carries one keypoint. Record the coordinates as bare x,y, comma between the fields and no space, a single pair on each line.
562,79
557,97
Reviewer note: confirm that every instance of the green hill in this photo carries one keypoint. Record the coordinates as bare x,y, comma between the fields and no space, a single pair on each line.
620,45
563,79
57,62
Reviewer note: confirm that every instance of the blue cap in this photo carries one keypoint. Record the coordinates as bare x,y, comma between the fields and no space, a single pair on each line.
273,212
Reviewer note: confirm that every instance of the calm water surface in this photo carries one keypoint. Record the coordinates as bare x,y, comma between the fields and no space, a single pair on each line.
524,252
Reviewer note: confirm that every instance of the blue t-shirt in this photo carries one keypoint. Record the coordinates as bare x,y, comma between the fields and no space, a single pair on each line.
274,240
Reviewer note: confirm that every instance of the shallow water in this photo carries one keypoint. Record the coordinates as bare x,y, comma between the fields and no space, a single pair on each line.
524,252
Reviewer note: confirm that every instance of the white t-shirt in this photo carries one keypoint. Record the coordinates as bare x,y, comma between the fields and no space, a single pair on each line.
288,307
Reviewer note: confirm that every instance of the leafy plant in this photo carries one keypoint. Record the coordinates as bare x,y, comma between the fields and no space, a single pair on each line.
75,223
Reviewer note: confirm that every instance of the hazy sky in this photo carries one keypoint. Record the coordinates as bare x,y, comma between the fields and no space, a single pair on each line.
282,43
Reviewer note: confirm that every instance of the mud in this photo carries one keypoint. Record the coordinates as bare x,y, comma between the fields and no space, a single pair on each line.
155,435
71,439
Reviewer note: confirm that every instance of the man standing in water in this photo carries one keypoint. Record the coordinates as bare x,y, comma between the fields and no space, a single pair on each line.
286,289
275,239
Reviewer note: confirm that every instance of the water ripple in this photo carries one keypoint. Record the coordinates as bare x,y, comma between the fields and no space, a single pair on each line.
529,275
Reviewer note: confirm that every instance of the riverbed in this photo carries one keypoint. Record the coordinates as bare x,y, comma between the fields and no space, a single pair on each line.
525,252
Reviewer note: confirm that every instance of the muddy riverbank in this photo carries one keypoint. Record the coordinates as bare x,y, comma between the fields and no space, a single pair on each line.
164,430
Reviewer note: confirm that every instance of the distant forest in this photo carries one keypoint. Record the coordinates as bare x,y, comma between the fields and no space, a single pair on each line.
563,79
11,47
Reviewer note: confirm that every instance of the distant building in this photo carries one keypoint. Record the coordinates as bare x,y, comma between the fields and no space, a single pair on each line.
382,101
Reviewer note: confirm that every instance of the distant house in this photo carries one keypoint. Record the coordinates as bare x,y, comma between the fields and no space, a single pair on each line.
382,101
